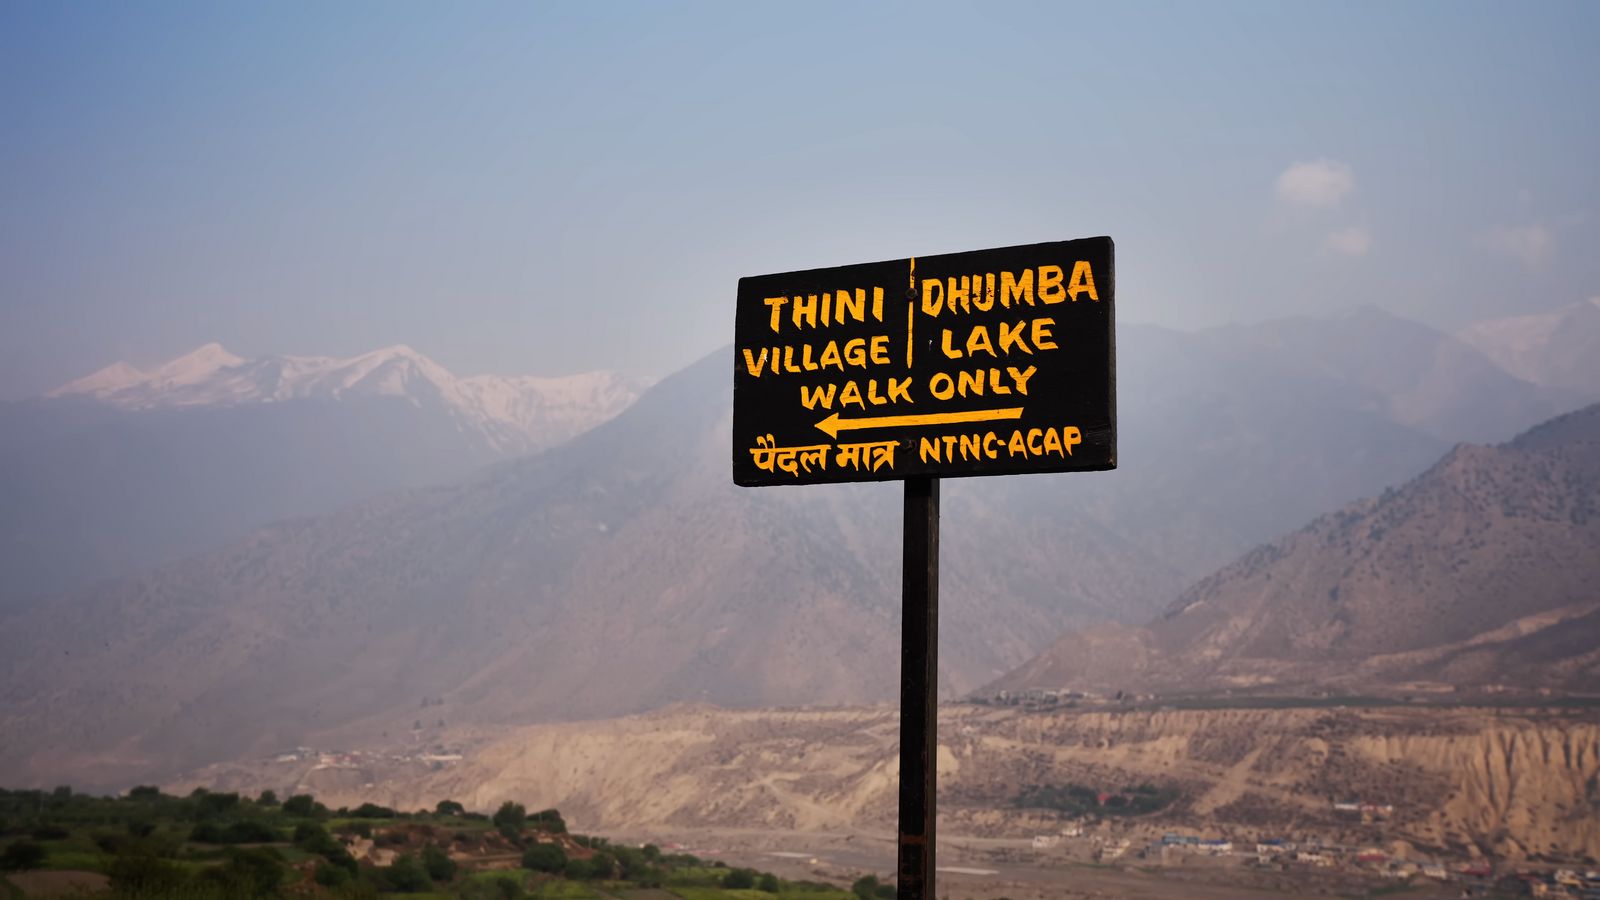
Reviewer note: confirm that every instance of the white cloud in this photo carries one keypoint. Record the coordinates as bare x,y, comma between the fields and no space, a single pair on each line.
1352,241
1532,244
1320,184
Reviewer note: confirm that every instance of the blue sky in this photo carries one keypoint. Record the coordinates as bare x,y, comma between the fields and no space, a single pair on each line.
546,188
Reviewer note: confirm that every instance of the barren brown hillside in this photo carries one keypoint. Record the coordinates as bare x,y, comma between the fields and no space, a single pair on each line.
1484,571
1463,782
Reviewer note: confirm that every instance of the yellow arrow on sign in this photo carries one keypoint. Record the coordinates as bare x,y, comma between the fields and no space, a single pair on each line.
832,425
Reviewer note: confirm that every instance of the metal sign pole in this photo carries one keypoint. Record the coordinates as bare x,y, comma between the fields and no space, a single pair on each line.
919,670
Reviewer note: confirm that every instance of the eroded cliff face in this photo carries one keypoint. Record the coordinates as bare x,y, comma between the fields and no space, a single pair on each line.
1516,788
1504,784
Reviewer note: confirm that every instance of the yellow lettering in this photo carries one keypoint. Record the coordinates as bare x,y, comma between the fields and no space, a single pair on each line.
1013,289
969,446
991,446
932,296
1042,338
970,381
822,394
979,340
1021,378
995,387
855,352
1015,446
853,306
873,396
1082,280
1011,336
851,393
1050,289
1034,435
928,450
960,292
900,389
1052,441
1074,437
752,364
830,356
983,299
944,344
942,386
777,305
805,358
805,308
880,349
877,303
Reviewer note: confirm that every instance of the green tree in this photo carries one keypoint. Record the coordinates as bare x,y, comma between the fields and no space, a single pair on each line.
407,876
255,872
545,858
22,856
510,814
313,838
300,805
604,864
578,869
549,820
268,797
769,883
450,808
438,863
739,880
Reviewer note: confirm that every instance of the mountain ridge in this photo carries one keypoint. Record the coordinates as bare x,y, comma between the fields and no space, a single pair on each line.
513,414
1478,573
623,570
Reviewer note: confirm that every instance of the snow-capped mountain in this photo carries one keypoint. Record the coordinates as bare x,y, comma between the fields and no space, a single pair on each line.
130,467
511,415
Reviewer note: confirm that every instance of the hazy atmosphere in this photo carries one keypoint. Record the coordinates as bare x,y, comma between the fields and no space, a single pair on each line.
545,189
630,451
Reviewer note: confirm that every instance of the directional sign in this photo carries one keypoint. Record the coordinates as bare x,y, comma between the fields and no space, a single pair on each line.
992,362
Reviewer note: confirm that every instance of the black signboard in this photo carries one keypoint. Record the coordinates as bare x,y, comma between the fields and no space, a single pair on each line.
991,362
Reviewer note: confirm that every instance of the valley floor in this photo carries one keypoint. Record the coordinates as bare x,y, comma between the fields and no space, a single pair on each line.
1134,802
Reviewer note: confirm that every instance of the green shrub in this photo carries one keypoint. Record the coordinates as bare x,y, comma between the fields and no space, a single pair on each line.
438,863
512,814
329,875
143,876
300,805
22,856
406,875
545,858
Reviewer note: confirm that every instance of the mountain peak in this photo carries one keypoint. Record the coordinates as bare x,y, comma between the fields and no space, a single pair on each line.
198,363
513,415
112,378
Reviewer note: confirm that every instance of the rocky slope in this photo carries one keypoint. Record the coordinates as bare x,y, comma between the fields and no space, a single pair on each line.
1484,570
1461,781
622,571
